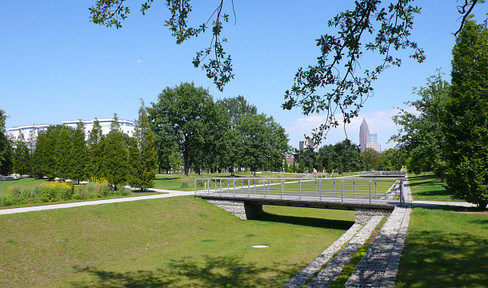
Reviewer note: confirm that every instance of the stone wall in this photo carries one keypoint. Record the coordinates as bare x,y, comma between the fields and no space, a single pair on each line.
362,216
238,208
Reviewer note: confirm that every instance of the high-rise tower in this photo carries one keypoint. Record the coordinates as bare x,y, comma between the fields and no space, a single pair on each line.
363,135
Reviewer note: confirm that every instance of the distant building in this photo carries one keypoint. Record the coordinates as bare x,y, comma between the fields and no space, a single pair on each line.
28,131
306,143
31,131
372,138
363,135
367,140
126,126
375,146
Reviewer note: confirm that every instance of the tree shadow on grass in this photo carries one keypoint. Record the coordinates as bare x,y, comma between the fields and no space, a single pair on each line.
223,271
438,259
306,221
438,192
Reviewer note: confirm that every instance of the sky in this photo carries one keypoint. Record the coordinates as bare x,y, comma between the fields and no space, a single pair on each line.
56,65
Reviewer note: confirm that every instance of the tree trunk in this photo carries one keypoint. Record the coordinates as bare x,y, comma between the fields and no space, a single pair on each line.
185,159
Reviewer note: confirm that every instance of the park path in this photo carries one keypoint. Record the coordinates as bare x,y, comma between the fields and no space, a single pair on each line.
170,193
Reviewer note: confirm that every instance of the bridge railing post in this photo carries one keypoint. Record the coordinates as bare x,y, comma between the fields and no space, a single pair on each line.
353,188
334,188
369,191
282,188
402,200
320,189
342,190
300,189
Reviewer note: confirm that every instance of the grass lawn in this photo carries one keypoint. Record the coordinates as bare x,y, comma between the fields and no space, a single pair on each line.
30,184
173,242
445,249
428,187
182,183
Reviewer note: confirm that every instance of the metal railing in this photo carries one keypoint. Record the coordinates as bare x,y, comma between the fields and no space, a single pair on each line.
310,189
395,173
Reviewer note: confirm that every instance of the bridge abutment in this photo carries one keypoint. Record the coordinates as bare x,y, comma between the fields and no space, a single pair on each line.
240,209
362,216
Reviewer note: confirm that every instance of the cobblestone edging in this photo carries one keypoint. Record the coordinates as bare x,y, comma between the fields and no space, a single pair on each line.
334,267
362,216
308,272
383,256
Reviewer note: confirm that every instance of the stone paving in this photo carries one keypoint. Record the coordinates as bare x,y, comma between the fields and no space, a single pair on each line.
308,272
334,267
379,266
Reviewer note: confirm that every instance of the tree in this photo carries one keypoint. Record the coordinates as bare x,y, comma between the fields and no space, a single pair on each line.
39,157
115,156
420,135
233,109
371,159
95,152
465,124
21,157
337,82
392,159
78,154
5,147
50,160
183,115
142,153
63,153
263,143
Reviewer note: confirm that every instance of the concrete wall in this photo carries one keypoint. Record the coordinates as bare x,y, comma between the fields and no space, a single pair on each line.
238,208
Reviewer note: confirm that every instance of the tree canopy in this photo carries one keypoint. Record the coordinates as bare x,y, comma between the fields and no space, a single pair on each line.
465,124
337,82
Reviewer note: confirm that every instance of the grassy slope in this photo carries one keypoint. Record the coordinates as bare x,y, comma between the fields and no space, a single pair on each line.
426,186
32,183
445,249
176,242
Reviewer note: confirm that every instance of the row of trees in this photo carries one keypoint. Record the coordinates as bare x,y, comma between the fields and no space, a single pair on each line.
346,156
63,152
449,132
228,134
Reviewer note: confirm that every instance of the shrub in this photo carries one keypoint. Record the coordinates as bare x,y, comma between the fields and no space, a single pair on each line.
185,183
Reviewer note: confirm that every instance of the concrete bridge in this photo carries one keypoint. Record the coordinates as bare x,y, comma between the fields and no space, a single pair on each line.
244,197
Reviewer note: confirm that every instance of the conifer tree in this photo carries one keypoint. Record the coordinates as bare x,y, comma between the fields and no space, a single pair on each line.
115,156
142,153
39,156
50,160
63,149
95,152
22,161
5,147
79,154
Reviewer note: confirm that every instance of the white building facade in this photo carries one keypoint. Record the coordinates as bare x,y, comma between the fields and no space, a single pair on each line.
30,131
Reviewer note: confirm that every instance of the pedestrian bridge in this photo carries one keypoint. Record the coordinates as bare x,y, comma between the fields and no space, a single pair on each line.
244,197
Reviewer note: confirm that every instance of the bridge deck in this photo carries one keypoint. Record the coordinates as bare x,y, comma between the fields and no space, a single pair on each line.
304,201
332,193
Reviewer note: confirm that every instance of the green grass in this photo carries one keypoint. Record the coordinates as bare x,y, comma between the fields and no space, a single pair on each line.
182,183
173,242
30,184
428,187
445,249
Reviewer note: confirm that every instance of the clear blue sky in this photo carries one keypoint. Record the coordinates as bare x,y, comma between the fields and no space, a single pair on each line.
56,65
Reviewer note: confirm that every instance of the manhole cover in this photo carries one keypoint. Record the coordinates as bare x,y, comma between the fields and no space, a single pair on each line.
260,246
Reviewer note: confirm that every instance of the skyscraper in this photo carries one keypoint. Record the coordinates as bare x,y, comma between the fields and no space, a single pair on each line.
363,135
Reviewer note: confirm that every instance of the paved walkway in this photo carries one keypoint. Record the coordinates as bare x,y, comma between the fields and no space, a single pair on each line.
170,193
442,203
